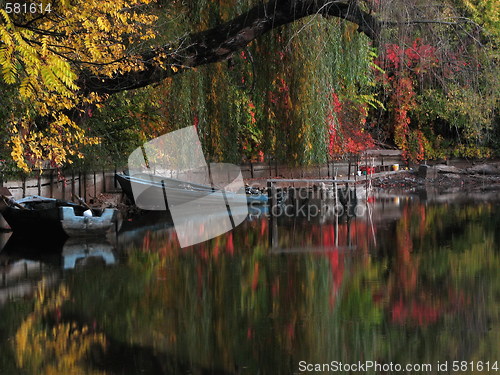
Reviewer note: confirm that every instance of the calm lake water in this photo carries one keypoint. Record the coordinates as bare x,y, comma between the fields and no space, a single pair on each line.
412,282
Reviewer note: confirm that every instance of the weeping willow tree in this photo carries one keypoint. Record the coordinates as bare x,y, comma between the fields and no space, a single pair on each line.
269,100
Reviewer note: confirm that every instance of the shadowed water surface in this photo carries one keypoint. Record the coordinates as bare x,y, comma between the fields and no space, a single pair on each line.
410,282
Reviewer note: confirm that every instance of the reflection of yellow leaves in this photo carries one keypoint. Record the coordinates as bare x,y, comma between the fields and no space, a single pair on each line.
59,350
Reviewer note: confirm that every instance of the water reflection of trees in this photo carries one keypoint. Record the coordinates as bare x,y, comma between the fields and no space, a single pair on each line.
46,344
426,291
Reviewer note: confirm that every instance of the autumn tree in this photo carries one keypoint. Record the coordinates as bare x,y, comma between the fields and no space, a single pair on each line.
65,59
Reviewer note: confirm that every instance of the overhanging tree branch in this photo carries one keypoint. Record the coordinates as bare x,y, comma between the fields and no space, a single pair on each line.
220,42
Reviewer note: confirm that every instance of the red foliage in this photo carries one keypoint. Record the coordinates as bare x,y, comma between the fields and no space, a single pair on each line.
402,67
346,127
196,121
418,55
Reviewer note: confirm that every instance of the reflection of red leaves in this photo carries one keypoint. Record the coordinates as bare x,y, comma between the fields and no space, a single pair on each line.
458,300
377,297
204,253
418,313
331,301
398,312
337,267
255,278
199,279
275,288
263,227
216,249
57,314
230,244
290,330
328,236
424,314
146,242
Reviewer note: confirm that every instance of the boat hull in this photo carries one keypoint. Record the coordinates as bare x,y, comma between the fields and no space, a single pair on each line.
83,226
46,221
156,191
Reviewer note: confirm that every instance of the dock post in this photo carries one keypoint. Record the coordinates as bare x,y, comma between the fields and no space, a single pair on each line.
80,184
349,168
103,181
274,232
273,225
95,186
72,185
85,186
63,188
51,188
367,170
270,194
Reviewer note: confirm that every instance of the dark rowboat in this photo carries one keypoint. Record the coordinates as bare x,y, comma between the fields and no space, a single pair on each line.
55,217
37,215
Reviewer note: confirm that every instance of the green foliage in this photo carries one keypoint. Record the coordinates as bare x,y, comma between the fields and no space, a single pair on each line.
486,13
127,121
462,114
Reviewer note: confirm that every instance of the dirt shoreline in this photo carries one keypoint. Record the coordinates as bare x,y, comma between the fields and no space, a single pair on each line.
482,177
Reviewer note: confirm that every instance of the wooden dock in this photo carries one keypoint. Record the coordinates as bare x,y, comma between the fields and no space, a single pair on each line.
272,189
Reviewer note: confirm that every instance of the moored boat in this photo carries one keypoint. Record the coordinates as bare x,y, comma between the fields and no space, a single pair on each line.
37,214
55,217
83,225
156,188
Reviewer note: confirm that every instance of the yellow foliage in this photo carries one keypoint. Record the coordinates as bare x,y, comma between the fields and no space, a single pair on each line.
60,349
41,61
